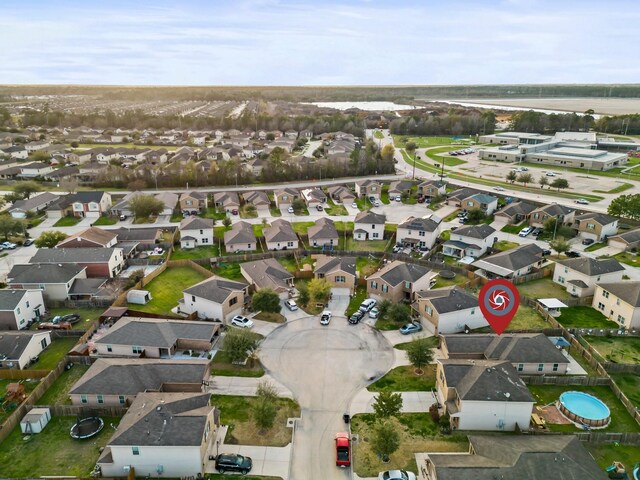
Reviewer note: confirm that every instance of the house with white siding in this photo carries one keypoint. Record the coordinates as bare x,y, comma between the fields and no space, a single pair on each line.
421,232
214,299
579,276
196,232
619,302
448,310
19,308
369,225
471,241
20,349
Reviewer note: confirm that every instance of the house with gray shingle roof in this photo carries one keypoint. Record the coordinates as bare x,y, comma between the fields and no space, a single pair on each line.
284,197
368,188
268,273
471,241
529,353
431,188
18,308
515,212
619,302
399,281
115,382
91,237
342,194
258,199
595,226
37,203
369,225
510,264
196,232
422,232
400,187
323,234
240,238
55,281
100,262
313,197
177,429
625,241
481,201
580,275
483,395
214,299
20,349
340,272
541,214
448,310
280,236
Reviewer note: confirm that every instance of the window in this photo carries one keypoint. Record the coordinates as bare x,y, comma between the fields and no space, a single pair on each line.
374,285
422,234
605,294
520,367
617,301
289,244
376,235
373,227
560,279
205,240
598,279
83,399
100,398
473,311
233,301
540,367
135,450
136,349
591,226
248,245
18,310
428,309
555,367
121,399
27,305
385,288
407,284
109,348
620,319
201,232
285,197
193,298
43,343
600,306
340,279
566,270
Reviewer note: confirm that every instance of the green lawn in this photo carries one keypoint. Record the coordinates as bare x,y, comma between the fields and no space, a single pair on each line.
621,421
198,252
87,315
605,455
67,222
213,213
289,263
302,227
228,270
513,229
435,155
29,385
354,303
335,208
503,245
221,365
166,289
51,356
404,379
629,258
144,220
433,341
378,134
58,393
367,265
629,383
104,220
52,452
617,349
421,142
275,212
619,189
361,245
595,246
448,282
526,318
584,317
543,288
248,212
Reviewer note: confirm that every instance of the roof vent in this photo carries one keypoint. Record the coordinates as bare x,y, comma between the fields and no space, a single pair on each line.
158,408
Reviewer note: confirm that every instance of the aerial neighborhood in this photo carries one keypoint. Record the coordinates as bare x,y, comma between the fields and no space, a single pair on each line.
185,302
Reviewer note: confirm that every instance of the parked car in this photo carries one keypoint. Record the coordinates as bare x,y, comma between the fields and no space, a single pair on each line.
536,232
9,245
354,205
367,305
343,450
525,231
398,198
396,475
28,242
123,217
319,208
588,241
410,328
582,201
325,318
242,322
498,189
356,317
462,220
234,211
290,210
546,252
551,174
372,199
572,254
291,305
231,462
376,203
374,313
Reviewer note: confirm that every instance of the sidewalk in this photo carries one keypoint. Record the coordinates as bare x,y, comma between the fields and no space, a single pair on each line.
245,386
412,402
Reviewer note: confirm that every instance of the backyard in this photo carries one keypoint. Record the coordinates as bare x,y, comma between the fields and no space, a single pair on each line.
584,317
198,252
87,315
58,392
52,452
367,265
352,245
230,271
166,289
543,288
51,356
629,383
605,455
617,349
29,385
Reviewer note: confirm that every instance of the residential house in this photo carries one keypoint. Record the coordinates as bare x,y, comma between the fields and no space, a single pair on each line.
471,241
431,188
99,262
148,236
92,237
512,263
483,395
192,203
399,281
240,238
268,273
229,201
258,199
280,236
35,169
368,188
323,234
54,280
196,232
369,225
292,134
595,226
115,382
515,212
35,204
448,310
400,187
420,232
534,457
340,272
170,201
19,349
579,276
17,151
61,173
162,435
216,299
284,197
619,302
564,215
626,241
155,337
313,197
457,197
92,204
19,308
480,201
37,145
342,194
529,353
255,165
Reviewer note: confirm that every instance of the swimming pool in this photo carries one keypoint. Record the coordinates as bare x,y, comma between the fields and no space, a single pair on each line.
584,408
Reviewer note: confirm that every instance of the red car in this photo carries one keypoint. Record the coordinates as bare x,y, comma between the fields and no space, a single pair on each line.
343,450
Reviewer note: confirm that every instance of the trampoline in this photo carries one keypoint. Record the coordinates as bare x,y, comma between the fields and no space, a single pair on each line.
86,427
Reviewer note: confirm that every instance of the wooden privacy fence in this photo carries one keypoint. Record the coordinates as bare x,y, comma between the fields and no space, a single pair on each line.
564,380
16,374
84,410
622,367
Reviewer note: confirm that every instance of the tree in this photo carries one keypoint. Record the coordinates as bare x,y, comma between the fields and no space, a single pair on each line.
387,404
525,178
511,176
475,215
385,439
136,185
145,206
319,290
558,230
303,294
264,407
69,184
543,181
74,145
298,205
411,147
560,245
266,300
383,307
420,353
239,344
387,152
560,183
24,190
10,226
398,313
627,206
50,238
226,221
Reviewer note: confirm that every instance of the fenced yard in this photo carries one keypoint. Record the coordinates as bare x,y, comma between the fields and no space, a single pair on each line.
584,317
616,349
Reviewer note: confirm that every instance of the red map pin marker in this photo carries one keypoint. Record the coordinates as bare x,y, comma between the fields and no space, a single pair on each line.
499,300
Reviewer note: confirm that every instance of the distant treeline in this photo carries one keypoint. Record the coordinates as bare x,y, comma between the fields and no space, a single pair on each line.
538,122
452,123
318,93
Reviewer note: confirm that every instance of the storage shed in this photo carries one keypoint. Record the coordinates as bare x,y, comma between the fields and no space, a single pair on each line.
35,420
141,297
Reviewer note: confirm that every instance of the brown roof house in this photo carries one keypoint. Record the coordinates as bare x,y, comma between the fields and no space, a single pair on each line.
340,272
91,237
258,199
240,238
229,201
399,281
368,188
284,197
193,202
540,215
342,194
625,241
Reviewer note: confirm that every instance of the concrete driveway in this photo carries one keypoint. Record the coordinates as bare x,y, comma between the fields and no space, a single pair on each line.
245,386
324,367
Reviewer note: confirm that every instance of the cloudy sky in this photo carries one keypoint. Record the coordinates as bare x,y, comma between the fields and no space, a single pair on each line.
321,42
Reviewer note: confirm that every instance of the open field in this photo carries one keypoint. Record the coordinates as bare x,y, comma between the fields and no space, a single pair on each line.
611,106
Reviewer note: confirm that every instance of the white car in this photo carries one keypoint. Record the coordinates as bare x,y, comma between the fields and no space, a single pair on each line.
498,189
242,322
396,475
368,304
290,210
525,231
354,205
398,198
582,201
376,203
291,305
551,174
374,313
325,318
